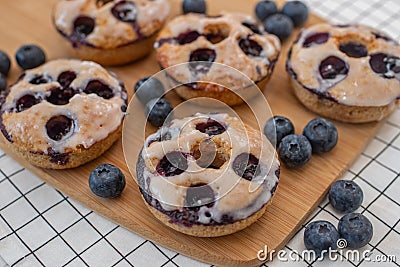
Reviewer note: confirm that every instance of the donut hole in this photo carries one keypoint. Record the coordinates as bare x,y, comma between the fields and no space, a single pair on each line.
124,11
60,96
25,102
246,166
99,88
211,127
250,47
201,60
354,49
209,155
40,79
216,33
83,26
59,127
333,67
173,163
198,195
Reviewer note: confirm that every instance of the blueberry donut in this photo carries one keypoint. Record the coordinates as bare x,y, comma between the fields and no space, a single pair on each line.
63,114
232,39
110,32
350,73
207,175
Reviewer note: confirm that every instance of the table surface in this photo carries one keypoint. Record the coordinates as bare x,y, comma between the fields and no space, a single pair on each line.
41,226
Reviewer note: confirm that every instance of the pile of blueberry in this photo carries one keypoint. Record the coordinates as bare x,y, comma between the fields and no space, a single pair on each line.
319,136
150,92
281,23
345,196
27,57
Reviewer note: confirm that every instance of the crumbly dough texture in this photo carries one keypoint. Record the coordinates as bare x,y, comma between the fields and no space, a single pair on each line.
96,120
243,200
228,51
110,32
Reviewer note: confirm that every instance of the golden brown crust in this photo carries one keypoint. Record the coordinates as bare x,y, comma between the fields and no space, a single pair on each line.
76,158
209,231
340,112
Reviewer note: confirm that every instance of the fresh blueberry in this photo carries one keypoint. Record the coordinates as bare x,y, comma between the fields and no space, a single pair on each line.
107,181
280,25
265,9
297,11
356,229
5,63
322,134
194,6
157,111
277,128
3,82
320,236
295,150
345,196
150,88
30,56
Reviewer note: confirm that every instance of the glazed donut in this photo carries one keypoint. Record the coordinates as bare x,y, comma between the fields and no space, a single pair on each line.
235,40
63,113
110,32
207,175
349,73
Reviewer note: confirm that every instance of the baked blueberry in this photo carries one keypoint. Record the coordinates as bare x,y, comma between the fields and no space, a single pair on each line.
246,166
316,38
83,26
60,96
157,111
173,163
194,6
3,81
345,196
5,63
30,56
320,236
211,127
250,47
25,102
385,65
99,88
277,128
322,134
297,11
333,67
66,78
295,150
40,79
200,60
58,127
354,49
199,195
356,229
280,25
107,181
124,11
265,8
150,88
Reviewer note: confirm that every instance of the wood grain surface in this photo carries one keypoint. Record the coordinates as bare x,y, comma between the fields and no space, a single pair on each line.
299,192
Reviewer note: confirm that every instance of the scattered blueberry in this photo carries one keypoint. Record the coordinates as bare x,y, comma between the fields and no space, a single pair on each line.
265,9
322,134
157,111
107,181
297,11
5,63
194,6
356,229
3,81
150,88
277,128
280,25
345,196
30,56
319,236
295,150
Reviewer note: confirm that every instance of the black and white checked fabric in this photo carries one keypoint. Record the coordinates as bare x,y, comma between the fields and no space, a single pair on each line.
41,226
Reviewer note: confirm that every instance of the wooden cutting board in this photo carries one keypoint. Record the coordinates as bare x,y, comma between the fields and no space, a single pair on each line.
299,191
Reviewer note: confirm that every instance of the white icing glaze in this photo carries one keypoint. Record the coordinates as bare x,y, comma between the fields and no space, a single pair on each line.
110,32
94,117
228,51
362,86
235,196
